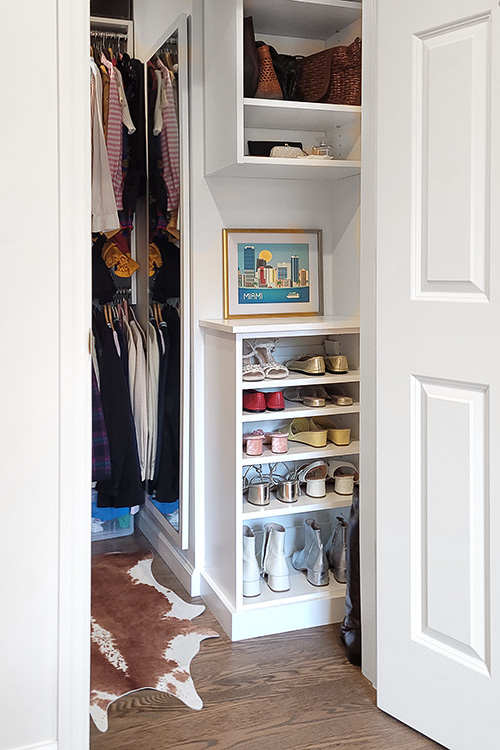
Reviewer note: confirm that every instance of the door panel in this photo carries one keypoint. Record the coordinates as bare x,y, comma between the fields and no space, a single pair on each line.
438,367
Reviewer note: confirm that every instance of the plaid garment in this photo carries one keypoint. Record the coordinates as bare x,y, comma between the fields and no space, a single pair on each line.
101,459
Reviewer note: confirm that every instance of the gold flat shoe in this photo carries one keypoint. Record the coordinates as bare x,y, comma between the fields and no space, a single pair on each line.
308,365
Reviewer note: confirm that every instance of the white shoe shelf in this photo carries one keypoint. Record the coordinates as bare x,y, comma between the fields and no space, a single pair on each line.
300,27
226,509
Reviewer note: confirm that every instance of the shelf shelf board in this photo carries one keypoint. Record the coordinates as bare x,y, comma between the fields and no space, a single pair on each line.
304,504
305,20
297,378
293,326
302,452
300,590
288,115
293,409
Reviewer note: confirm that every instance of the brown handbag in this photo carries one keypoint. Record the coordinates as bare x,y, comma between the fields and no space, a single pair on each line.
268,86
332,76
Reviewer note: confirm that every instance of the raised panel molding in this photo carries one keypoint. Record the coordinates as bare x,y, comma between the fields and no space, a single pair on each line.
451,148
450,516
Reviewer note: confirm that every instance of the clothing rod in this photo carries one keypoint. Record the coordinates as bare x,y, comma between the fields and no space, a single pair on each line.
108,34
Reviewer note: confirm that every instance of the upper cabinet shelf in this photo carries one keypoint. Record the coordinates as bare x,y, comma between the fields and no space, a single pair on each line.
298,27
287,115
302,19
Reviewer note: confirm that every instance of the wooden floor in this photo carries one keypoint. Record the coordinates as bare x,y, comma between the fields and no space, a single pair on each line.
294,691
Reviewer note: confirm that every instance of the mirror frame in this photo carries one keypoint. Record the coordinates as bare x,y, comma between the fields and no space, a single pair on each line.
181,26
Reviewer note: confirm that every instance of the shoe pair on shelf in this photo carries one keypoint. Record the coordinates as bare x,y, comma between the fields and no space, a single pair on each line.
280,479
259,362
253,442
319,364
315,396
316,431
259,401
316,474
316,558
274,565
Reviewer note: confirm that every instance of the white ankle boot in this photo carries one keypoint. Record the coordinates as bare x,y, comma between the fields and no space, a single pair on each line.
274,563
251,572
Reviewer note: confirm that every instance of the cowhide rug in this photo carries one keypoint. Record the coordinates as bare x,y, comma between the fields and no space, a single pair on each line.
142,634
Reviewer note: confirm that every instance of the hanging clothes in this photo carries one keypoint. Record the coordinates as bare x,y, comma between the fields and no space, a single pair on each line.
170,141
124,489
101,459
114,137
104,212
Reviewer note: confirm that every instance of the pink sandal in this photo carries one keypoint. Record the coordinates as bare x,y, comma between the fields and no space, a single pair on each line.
278,441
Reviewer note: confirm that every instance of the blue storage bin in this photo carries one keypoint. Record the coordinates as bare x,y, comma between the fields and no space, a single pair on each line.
108,523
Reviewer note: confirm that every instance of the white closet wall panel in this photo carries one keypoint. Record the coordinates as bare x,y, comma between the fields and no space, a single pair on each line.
29,431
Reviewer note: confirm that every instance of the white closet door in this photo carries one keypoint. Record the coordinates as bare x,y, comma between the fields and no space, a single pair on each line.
438,372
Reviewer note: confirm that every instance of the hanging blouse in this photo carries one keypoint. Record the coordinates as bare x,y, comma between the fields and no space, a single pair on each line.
170,141
104,213
114,139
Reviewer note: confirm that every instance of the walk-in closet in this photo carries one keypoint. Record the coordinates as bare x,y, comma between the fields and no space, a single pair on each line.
185,196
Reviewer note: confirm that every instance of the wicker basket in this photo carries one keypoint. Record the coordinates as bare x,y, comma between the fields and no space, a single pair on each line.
332,76
268,86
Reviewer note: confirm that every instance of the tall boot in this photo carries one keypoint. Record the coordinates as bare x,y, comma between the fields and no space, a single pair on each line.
312,557
251,572
274,563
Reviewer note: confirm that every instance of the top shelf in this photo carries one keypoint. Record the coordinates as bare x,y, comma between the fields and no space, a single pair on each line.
284,326
303,19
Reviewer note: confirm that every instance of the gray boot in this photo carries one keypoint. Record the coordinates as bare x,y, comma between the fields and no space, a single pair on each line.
336,551
312,557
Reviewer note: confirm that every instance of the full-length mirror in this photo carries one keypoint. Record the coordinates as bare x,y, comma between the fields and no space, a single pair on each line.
168,339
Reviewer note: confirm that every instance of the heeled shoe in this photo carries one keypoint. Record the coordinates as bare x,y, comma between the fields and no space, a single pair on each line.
278,441
264,353
336,435
258,488
274,564
314,476
344,475
312,557
335,551
287,485
301,431
253,442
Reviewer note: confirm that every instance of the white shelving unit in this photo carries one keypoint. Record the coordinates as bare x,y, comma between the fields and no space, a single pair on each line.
292,27
227,510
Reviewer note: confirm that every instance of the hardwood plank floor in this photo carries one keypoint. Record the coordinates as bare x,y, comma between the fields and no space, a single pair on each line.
293,691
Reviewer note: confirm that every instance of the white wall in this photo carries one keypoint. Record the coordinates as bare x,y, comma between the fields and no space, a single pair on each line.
29,437
43,256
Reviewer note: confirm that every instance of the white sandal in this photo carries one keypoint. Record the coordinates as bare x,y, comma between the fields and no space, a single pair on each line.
264,353
344,481
314,475
251,370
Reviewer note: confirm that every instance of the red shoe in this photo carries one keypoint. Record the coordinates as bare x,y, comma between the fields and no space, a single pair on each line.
275,401
254,401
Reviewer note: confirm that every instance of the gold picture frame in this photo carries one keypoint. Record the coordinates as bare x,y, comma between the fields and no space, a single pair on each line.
272,273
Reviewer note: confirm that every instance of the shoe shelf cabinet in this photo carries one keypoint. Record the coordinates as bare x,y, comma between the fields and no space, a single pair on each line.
226,509
292,27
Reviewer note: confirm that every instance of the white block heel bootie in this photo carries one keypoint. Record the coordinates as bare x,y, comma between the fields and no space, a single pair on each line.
251,572
274,564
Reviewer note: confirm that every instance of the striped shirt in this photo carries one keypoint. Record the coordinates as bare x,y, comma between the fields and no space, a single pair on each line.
114,137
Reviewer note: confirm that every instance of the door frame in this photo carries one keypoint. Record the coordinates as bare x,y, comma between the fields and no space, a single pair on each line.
368,344
73,25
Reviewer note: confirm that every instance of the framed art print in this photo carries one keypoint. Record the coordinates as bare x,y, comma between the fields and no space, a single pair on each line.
271,272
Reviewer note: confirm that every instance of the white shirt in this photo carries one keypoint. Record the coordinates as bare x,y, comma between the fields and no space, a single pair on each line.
104,213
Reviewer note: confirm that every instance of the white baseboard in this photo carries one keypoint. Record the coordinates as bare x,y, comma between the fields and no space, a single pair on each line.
52,745
180,567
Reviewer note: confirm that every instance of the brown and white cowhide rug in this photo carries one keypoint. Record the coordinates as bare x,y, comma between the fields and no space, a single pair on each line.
142,634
